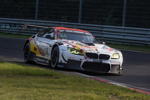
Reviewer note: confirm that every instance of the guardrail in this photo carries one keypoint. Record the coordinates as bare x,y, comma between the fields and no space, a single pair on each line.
127,35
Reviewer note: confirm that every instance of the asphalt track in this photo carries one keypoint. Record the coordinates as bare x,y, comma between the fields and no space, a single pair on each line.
136,64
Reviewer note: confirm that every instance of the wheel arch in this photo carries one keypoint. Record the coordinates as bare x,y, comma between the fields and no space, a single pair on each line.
26,42
55,45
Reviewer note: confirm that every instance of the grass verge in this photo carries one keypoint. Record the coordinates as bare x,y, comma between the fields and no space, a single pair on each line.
22,82
2,34
131,47
118,46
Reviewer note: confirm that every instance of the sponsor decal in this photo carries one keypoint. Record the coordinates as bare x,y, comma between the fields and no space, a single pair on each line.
80,46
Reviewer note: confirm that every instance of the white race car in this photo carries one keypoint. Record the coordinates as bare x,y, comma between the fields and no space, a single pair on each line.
74,49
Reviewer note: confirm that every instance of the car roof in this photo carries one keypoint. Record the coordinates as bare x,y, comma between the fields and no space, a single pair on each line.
72,29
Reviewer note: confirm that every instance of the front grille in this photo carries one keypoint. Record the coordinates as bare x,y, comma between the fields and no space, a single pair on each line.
96,67
104,56
92,55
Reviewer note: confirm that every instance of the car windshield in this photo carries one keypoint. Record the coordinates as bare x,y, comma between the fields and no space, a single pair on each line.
85,38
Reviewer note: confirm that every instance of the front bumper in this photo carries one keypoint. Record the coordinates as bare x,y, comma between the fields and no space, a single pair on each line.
94,66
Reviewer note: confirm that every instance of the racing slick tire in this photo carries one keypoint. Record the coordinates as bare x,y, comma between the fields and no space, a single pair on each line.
54,57
28,56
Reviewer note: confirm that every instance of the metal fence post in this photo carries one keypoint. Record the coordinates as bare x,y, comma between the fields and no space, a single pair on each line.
80,11
36,9
124,13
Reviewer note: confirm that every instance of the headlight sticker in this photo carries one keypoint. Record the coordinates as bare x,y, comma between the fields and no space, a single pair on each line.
75,51
115,56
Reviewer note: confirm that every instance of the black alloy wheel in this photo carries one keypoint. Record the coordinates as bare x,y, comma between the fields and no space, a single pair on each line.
55,57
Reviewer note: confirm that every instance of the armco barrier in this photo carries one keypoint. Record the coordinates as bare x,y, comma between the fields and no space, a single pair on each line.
127,35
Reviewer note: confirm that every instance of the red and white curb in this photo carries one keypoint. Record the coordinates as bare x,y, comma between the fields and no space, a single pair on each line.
130,87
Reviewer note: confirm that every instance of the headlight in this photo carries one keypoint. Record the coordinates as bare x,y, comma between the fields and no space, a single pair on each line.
115,56
75,51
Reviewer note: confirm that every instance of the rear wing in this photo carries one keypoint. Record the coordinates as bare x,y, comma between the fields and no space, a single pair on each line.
34,29
35,26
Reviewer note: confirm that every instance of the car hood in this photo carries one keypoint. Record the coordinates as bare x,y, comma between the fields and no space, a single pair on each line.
89,47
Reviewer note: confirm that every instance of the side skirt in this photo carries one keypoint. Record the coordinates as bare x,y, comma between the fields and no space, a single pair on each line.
41,60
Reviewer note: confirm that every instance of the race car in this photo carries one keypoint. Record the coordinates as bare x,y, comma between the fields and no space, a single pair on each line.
61,47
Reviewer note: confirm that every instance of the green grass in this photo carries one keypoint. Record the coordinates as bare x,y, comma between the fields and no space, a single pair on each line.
2,34
131,47
118,46
22,82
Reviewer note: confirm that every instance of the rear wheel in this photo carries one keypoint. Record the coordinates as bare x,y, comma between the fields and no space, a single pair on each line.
27,54
54,57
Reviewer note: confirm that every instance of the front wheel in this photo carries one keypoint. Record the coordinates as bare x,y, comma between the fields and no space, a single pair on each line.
54,57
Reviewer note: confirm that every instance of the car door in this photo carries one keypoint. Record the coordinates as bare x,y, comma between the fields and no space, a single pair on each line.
45,42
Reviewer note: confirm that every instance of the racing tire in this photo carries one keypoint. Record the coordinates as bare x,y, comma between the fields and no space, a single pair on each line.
54,57
27,54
